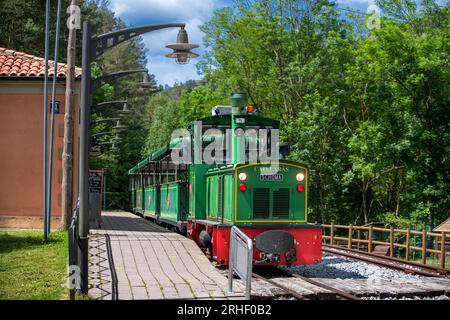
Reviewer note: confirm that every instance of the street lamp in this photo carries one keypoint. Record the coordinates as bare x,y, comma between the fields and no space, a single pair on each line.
105,143
146,82
106,103
119,126
117,138
124,110
98,82
182,49
92,49
147,86
104,120
103,133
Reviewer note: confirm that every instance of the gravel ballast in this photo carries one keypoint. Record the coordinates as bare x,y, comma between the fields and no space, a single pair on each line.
337,267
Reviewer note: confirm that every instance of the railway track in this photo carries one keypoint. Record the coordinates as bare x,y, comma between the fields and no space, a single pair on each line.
339,293
405,266
291,292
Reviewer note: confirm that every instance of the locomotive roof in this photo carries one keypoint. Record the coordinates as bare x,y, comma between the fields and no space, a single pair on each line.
252,120
226,120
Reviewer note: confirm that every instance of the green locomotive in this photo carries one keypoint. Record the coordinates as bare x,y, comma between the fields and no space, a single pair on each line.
214,188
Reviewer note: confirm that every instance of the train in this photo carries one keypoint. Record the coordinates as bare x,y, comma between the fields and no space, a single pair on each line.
178,187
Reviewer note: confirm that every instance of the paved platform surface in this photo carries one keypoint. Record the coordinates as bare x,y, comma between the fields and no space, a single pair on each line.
132,258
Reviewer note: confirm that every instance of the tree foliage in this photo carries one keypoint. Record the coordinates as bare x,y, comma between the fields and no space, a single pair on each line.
367,109
22,28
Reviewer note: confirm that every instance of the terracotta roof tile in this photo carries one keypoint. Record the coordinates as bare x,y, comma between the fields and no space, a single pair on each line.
18,64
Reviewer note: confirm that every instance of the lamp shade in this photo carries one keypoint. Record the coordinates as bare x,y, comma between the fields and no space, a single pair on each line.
182,48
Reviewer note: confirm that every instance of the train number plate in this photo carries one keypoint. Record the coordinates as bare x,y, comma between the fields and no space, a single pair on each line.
271,177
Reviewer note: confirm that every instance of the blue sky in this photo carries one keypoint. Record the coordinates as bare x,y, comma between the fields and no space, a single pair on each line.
191,12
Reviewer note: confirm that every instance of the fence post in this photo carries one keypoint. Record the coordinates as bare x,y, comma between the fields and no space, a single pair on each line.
408,240
359,238
443,250
370,238
391,241
350,235
424,246
331,233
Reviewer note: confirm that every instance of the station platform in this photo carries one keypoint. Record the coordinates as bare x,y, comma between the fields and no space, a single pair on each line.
132,258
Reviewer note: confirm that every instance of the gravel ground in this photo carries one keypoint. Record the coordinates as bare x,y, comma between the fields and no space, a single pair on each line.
337,267
443,297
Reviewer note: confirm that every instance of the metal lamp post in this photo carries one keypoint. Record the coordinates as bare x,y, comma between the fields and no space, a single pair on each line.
93,48
125,110
106,103
104,120
97,82
117,138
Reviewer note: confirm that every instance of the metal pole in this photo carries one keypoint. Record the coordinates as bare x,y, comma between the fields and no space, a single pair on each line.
52,126
238,103
230,262
104,190
85,122
248,291
47,18
99,45
234,233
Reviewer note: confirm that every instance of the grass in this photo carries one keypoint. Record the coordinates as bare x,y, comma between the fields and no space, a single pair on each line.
31,269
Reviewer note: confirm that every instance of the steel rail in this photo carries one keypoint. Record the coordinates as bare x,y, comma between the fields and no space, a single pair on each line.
339,292
291,292
317,283
394,263
298,296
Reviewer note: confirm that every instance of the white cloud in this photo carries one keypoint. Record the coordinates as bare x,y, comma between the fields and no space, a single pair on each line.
356,2
168,71
156,11
193,13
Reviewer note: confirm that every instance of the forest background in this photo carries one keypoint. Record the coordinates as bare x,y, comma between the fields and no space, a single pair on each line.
368,109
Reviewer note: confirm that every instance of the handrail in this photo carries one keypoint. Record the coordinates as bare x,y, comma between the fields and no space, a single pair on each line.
365,235
242,268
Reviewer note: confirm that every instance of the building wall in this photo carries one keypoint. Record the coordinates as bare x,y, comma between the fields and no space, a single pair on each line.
21,149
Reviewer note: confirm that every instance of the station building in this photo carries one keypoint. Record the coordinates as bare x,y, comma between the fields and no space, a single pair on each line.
21,138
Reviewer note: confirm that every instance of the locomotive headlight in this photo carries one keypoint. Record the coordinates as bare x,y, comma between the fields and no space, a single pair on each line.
300,176
242,176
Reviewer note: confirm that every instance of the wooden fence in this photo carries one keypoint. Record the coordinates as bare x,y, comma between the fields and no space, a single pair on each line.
367,237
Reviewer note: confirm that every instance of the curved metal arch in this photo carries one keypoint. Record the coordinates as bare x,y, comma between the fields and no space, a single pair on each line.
101,43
